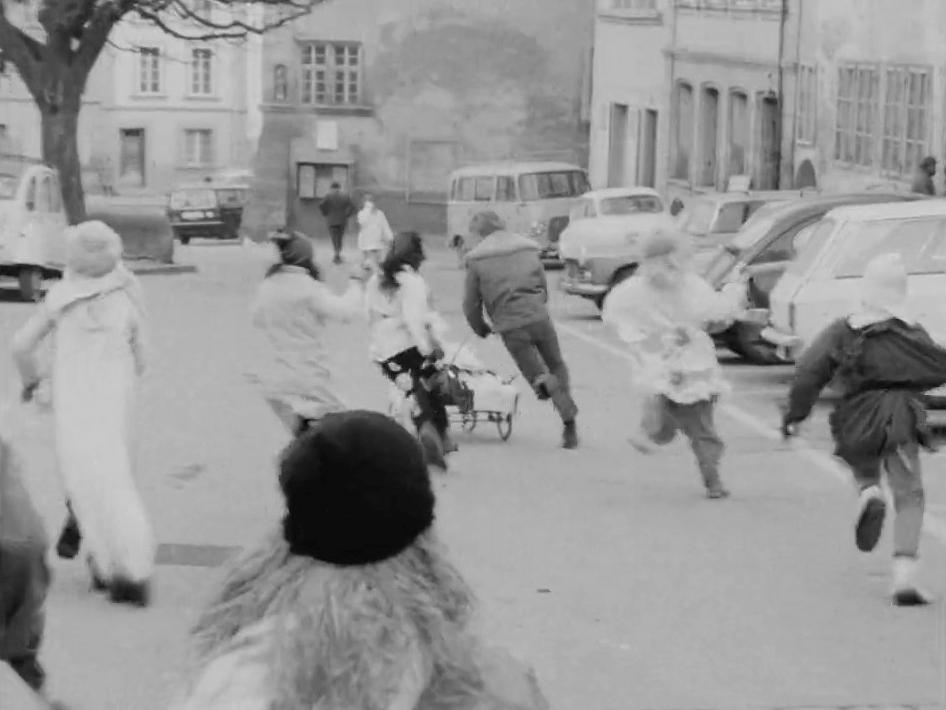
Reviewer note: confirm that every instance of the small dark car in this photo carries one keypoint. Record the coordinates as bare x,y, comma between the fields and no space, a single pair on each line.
207,210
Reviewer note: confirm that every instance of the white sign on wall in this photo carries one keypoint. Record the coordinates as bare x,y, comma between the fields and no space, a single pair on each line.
326,135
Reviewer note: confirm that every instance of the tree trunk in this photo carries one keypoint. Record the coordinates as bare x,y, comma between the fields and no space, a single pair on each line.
61,151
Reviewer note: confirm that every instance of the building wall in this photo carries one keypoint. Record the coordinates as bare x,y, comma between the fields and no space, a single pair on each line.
879,35
629,70
165,116
445,82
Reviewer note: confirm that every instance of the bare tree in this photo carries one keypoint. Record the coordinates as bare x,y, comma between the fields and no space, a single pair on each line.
56,65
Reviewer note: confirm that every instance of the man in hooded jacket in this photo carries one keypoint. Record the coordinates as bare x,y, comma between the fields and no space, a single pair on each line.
506,279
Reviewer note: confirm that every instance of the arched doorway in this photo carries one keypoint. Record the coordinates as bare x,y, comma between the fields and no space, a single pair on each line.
805,176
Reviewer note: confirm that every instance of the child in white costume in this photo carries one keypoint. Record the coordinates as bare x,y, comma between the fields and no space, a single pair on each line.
95,317
664,312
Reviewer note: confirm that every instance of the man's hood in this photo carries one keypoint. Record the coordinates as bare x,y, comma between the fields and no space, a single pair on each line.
501,244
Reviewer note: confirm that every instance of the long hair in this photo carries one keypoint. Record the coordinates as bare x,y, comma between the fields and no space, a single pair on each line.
407,249
340,633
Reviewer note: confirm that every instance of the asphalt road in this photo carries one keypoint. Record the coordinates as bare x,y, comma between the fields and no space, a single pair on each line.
608,570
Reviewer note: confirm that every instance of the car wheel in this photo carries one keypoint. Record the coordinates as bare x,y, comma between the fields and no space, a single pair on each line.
185,240
747,342
599,300
31,283
622,275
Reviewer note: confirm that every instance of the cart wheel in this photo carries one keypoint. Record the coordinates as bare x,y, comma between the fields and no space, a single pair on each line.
469,421
504,425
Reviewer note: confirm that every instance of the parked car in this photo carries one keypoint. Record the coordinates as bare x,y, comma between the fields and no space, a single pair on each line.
822,284
32,224
605,223
210,210
532,198
708,219
761,251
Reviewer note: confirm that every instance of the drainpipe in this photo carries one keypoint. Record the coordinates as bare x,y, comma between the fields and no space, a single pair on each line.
794,141
783,13
673,124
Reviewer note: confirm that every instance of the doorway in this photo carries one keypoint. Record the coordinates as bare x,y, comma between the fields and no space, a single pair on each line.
709,129
769,137
132,160
647,149
617,147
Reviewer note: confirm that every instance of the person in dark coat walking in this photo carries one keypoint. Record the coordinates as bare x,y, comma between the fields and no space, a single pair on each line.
923,178
505,277
337,208
882,361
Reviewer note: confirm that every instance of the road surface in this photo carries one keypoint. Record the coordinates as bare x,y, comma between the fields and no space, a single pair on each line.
606,569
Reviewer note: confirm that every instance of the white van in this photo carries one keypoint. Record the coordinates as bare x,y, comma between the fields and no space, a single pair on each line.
32,224
533,198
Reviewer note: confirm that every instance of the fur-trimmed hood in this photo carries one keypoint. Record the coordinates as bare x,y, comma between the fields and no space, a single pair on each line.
501,244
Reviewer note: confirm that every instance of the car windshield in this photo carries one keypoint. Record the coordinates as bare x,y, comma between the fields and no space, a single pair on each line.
814,245
8,185
631,204
755,229
193,199
553,185
698,219
921,243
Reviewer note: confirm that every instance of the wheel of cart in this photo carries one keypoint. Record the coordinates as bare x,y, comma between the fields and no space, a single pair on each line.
504,426
469,420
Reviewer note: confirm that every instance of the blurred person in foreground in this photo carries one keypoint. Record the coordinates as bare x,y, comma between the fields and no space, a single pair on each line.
351,603
95,318
882,361
665,312
506,279
292,309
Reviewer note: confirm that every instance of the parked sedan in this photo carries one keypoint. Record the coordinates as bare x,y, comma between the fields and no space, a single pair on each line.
761,251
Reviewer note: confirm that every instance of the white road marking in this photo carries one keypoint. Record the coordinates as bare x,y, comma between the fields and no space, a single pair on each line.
934,527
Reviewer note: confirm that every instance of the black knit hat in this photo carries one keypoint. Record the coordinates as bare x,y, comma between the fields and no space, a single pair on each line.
357,490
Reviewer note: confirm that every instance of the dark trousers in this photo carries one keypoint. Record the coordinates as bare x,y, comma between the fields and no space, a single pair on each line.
429,402
337,232
24,581
537,354
663,418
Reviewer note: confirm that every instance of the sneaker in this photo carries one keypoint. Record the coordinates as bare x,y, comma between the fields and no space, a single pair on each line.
432,445
905,590
717,492
570,436
870,519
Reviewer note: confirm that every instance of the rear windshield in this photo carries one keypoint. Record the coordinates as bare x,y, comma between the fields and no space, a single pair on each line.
921,243
230,197
698,218
8,185
193,199
631,204
553,185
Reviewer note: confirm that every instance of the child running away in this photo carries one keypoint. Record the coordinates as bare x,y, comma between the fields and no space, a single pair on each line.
663,313
351,603
882,361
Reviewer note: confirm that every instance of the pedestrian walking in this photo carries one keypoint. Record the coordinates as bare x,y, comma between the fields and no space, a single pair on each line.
374,235
403,342
881,360
24,575
506,279
923,177
293,309
95,318
665,313
337,208
351,602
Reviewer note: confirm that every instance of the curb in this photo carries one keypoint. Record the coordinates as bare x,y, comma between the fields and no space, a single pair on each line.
158,269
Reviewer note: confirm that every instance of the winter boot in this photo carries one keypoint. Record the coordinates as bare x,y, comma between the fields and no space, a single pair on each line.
570,435
872,509
716,491
432,445
905,590
70,540
121,591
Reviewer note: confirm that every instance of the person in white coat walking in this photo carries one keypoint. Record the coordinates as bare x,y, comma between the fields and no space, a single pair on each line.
95,317
292,310
374,235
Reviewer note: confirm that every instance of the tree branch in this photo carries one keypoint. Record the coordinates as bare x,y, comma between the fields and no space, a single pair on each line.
232,29
21,49
95,35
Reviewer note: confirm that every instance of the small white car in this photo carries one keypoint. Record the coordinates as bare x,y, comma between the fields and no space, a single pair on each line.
823,283
32,224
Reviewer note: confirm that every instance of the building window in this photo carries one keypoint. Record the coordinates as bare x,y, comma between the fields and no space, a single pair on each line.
331,73
198,147
648,7
683,131
906,118
806,116
858,95
149,70
280,83
201,72
738,133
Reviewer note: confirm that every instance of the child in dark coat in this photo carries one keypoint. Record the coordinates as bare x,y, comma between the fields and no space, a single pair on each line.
882,360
